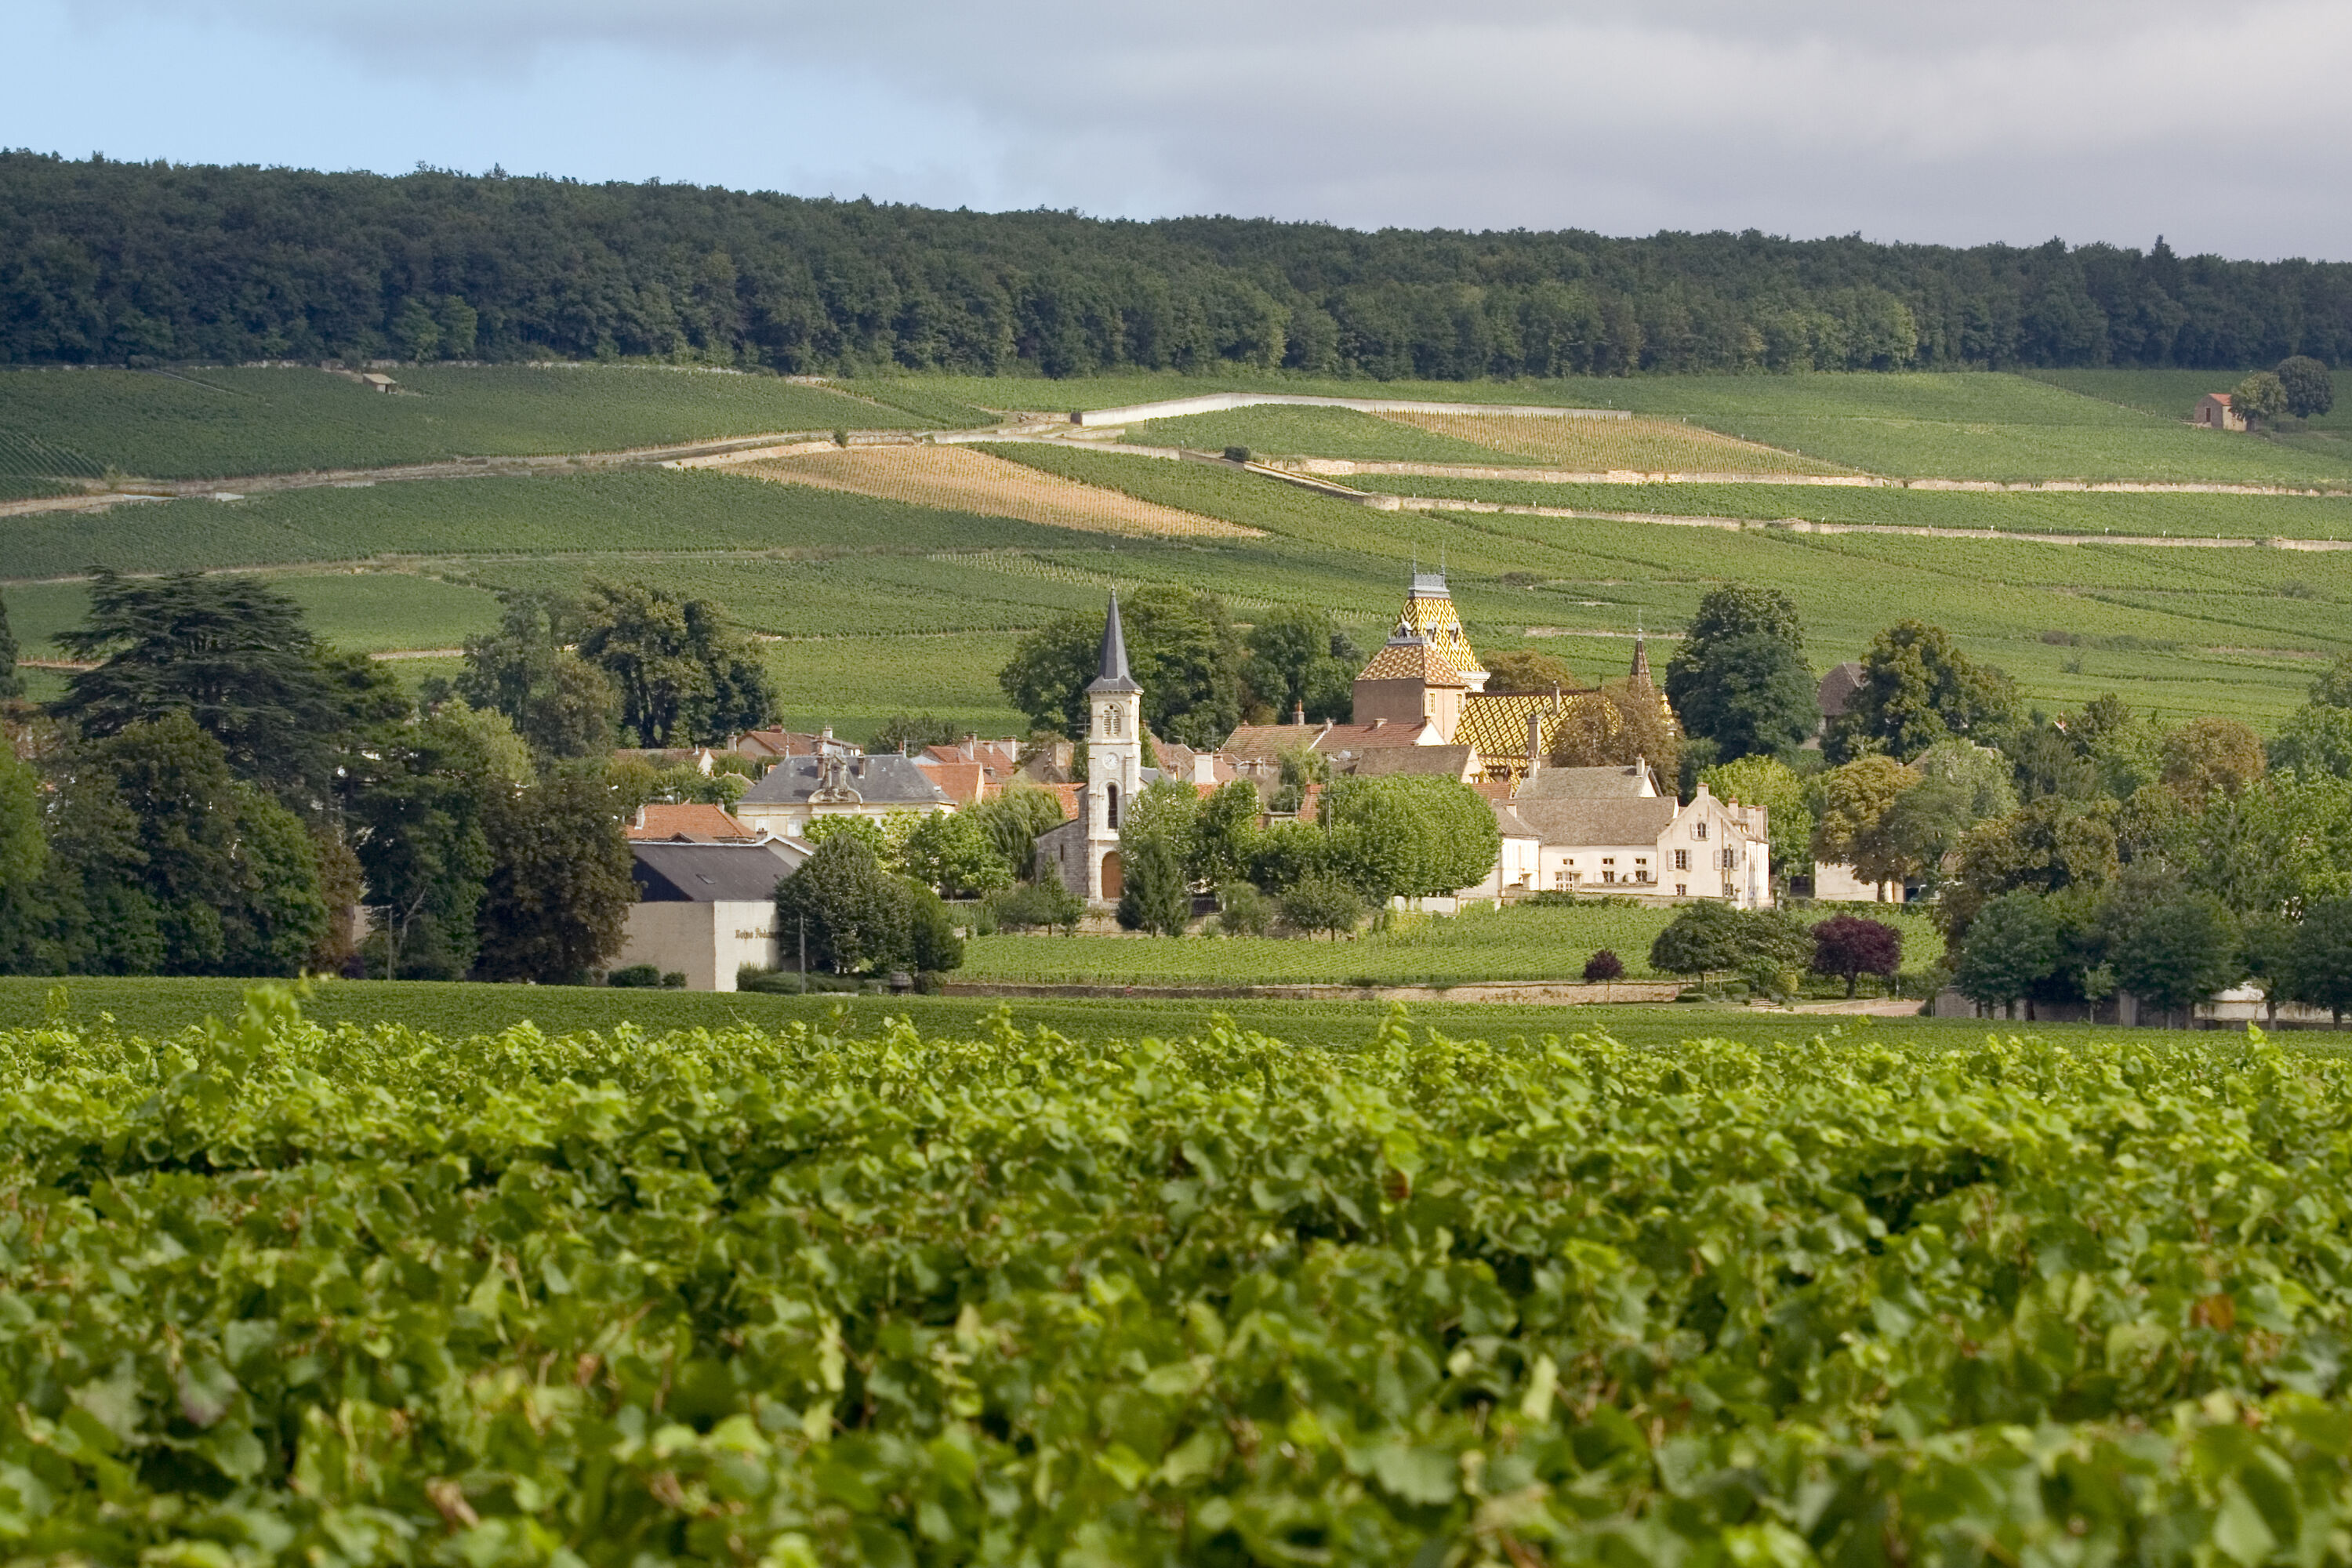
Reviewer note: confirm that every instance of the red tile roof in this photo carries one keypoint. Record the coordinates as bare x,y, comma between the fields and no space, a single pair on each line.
964,782
699,824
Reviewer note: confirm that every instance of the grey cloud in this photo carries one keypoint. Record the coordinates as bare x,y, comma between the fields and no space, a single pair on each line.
1947,122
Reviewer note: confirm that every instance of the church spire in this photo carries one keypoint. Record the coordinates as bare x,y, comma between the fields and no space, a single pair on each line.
1641,671
1112,675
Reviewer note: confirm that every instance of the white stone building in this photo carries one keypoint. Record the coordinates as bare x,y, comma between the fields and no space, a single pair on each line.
706,909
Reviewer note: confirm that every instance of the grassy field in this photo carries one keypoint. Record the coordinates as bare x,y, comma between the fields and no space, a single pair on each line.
879,606
453,1010
1955,424
368,611
2173,394
886,607
1525,942
626,511
210,423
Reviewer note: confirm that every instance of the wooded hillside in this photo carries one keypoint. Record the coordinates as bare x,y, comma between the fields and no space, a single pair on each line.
109,262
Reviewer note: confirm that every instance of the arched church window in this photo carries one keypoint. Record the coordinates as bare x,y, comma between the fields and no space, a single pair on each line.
1110,718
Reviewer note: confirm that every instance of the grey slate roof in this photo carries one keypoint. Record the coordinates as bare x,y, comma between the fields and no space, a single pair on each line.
1837,689
672,873
1626,820
889,779
1111,674
1444,762
1583,784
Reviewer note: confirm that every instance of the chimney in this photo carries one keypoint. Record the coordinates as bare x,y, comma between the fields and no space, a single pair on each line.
1535,745
1298,714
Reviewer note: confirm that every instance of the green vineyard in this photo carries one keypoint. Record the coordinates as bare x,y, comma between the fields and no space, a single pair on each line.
217,422
1524,943
270,1293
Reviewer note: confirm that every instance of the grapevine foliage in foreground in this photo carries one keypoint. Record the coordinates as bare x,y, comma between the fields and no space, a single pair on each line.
277,1295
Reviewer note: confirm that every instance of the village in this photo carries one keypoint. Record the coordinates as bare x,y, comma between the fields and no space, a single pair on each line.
708,873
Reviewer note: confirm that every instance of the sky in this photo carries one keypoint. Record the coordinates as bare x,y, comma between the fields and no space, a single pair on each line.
2221,124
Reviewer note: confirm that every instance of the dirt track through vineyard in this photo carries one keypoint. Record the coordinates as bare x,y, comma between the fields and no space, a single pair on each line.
955,479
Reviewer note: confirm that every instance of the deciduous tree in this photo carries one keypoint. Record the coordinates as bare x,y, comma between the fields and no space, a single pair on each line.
555,906
1917,687
559,703
953,853
1852,828
683,678
1321,903
2320,958
853,911
2208,754
1298,655
2177,953
1527,670
1752,696
1851,946
2308,388
1180,646
1771,784
2013,946
2262,395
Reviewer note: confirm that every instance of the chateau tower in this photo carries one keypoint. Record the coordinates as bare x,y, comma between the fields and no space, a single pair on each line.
1429,612
1114,759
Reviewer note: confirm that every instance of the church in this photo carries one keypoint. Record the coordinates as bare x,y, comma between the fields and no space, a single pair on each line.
1083,851
1421,696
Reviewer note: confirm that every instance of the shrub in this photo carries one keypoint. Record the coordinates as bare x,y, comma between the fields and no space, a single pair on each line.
1152,896
637,975
932,945
1321,903
1243,910
673,980
1602,967
1026,906
1238,454
768,982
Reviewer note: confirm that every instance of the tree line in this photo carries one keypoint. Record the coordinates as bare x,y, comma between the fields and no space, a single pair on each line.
220,793
114,262
2070,856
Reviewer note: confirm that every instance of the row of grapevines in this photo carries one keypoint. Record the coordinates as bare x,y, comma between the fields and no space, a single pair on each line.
269,1294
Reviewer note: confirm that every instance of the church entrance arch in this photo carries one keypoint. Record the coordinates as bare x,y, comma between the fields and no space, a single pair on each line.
1114,878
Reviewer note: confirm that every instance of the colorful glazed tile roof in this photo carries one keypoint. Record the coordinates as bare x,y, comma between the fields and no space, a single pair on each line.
1412,657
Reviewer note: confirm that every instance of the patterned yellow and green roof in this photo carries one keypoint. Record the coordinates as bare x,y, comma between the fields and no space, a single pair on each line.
1411,659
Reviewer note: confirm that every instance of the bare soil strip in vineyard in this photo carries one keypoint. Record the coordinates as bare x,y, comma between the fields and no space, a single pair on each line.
1342,466
1606,444
955,479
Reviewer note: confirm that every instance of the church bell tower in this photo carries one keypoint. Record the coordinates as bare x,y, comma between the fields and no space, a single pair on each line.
1114,759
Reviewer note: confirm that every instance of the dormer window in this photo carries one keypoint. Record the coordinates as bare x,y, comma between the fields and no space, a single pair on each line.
1698,830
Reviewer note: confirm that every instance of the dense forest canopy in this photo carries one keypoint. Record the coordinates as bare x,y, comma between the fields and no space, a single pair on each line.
111,262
